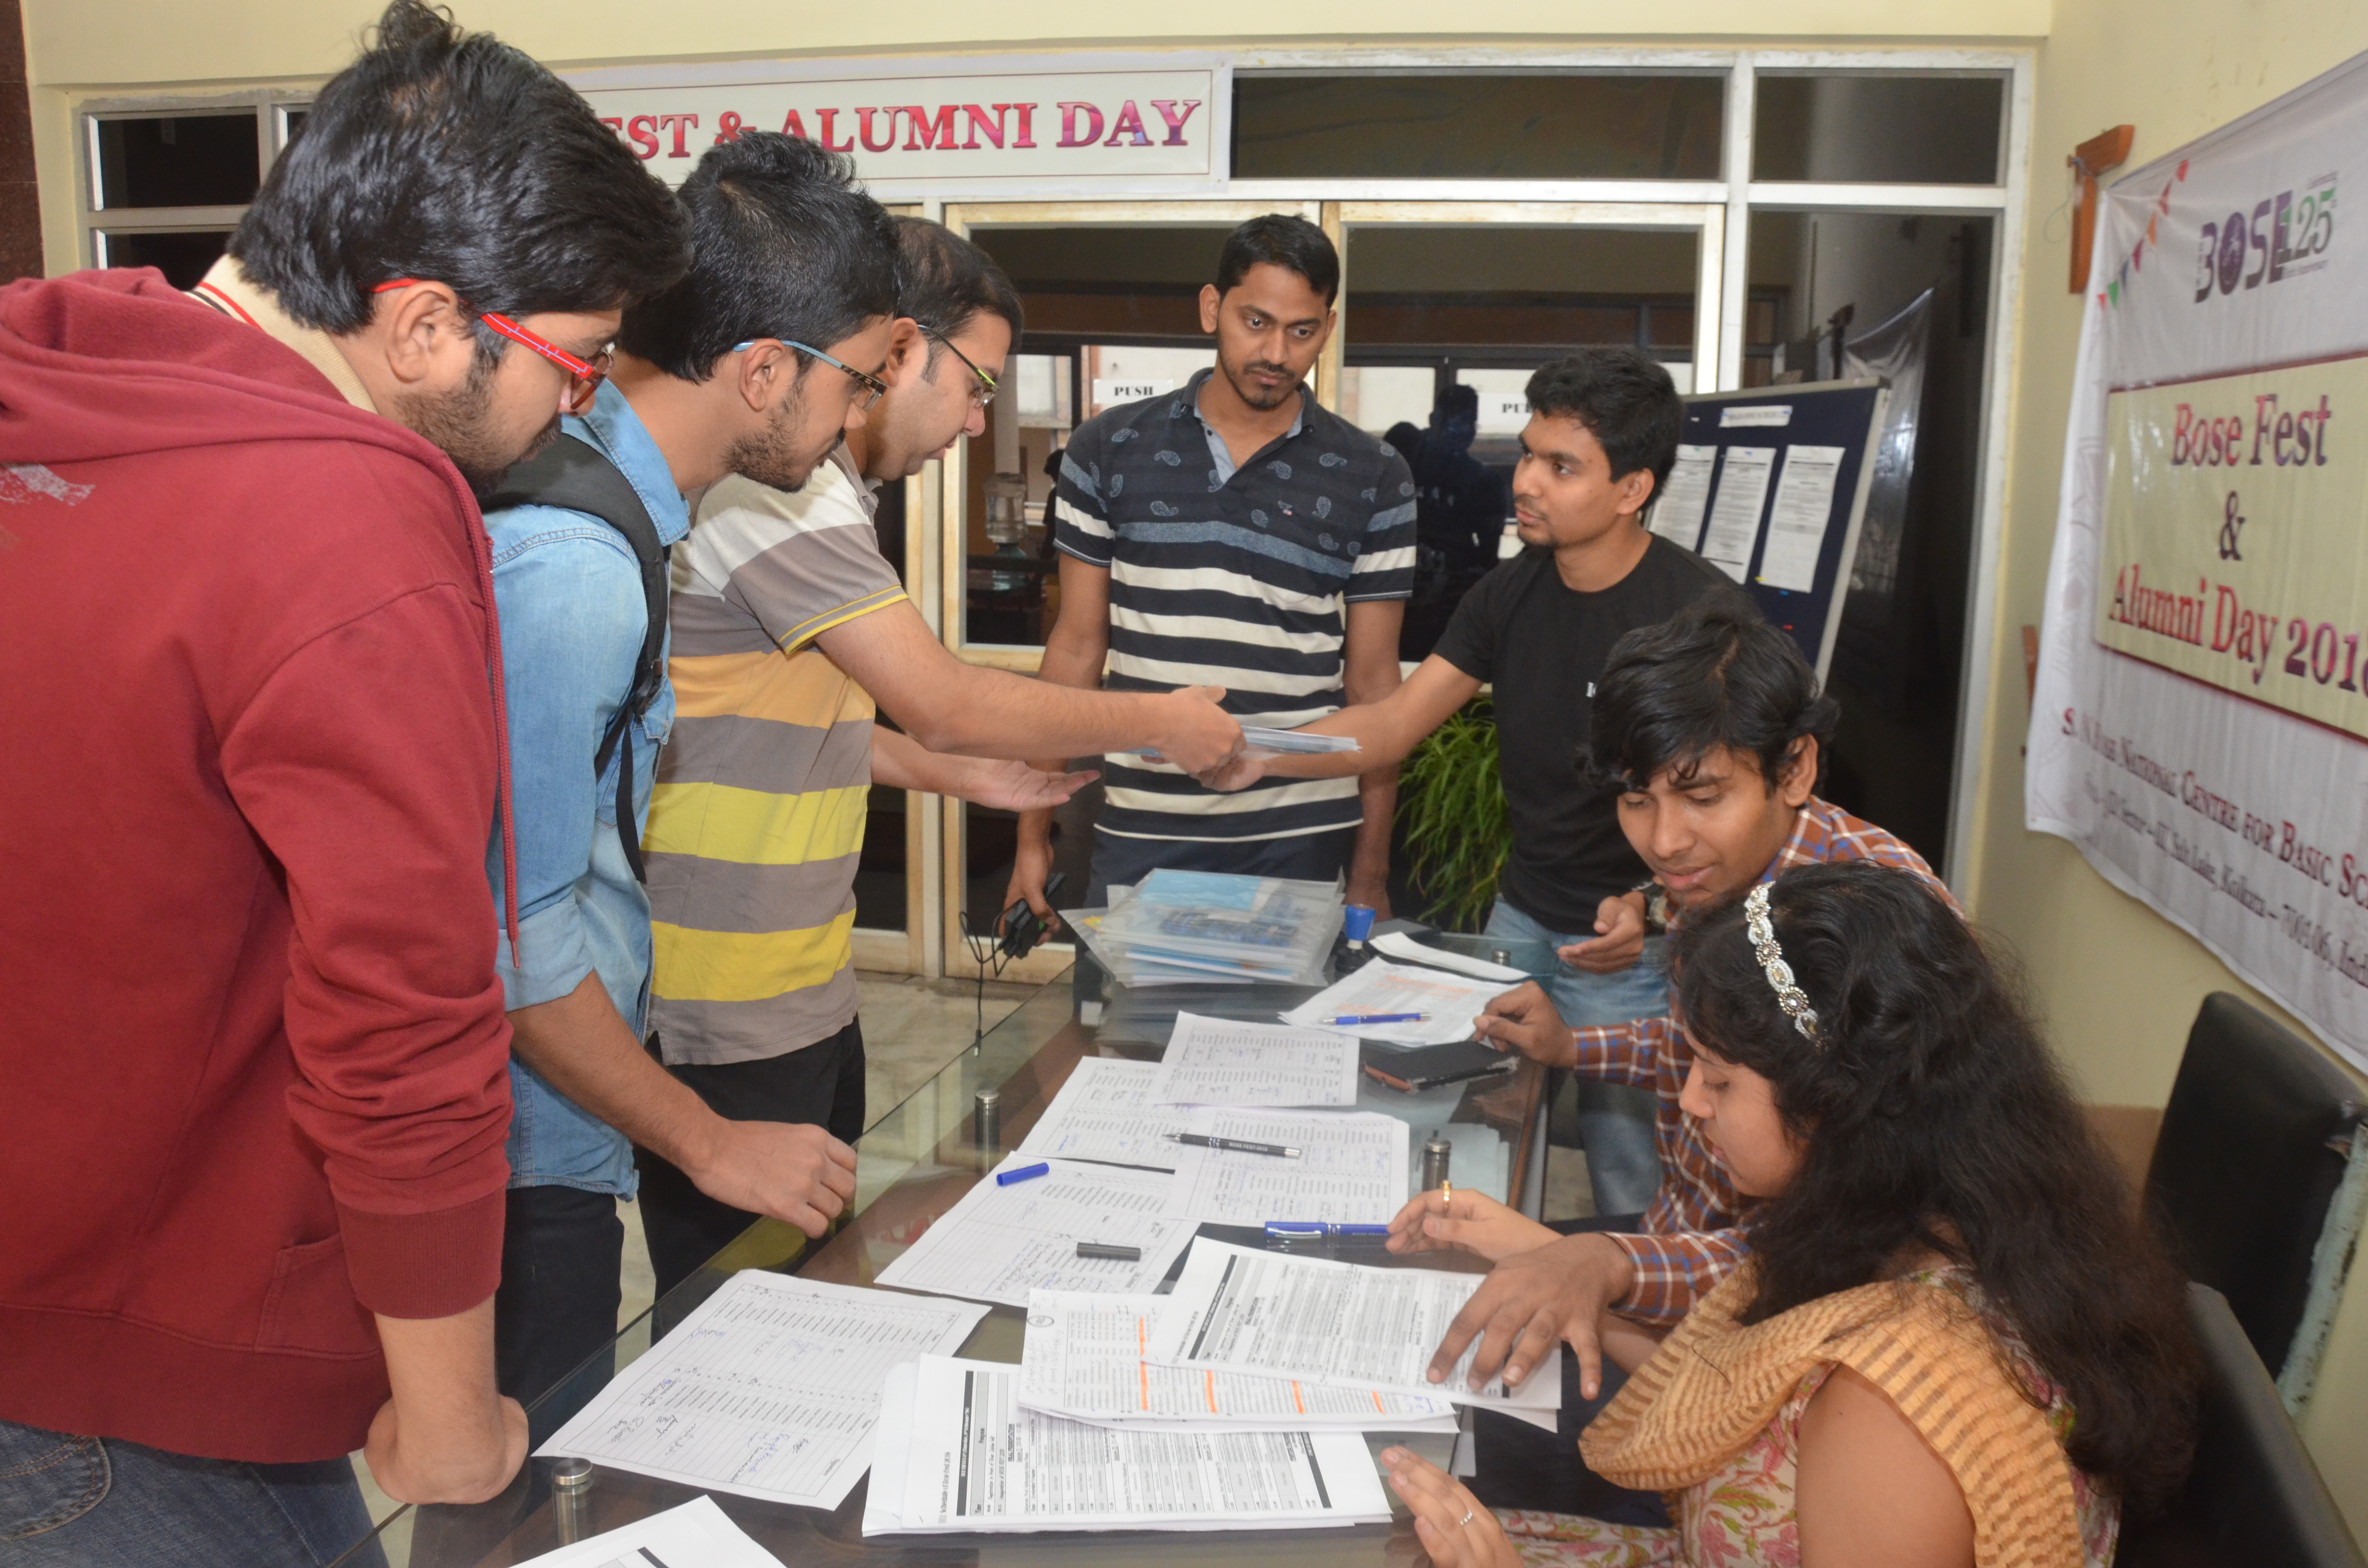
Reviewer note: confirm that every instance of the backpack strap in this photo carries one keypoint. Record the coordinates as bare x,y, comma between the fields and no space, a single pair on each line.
573,474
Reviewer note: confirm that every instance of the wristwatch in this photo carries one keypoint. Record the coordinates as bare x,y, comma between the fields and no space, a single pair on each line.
1656,906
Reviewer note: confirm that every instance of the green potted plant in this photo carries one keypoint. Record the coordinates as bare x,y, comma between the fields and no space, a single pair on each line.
1451,810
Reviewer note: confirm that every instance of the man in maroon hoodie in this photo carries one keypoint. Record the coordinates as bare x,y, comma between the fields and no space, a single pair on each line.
251,1036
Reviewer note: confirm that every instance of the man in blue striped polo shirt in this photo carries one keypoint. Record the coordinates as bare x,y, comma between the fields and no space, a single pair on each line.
1234,533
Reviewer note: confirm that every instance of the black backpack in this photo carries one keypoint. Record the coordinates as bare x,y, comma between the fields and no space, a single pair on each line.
572,473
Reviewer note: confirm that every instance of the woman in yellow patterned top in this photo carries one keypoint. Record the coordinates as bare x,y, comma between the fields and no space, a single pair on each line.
1949,1346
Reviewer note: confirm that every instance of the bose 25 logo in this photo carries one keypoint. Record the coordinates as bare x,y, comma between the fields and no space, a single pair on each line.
2281,238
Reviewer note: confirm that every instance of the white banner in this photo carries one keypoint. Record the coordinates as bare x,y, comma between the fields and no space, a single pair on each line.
985,125
2201,691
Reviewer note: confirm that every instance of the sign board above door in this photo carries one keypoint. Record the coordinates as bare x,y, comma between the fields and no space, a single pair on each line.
984,125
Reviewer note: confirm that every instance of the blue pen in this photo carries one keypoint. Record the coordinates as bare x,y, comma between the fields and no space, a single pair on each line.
1378,1019
1319,1229
1025,1173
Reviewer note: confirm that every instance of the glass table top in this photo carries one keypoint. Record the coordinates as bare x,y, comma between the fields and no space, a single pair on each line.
913,1165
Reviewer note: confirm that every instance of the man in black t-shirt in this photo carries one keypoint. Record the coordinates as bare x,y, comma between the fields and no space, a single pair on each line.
1602,434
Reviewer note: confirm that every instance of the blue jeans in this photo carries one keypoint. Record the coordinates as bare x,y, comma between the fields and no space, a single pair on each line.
103,1503
1615,1120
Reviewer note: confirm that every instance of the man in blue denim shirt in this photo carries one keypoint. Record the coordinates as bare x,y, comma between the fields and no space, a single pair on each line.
573,619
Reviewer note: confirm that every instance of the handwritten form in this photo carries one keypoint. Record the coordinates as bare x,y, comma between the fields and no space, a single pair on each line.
1343,1324
959,1453
1084,1360
1222,1061
1452,1000
1352,1168
1735,511
770,1388
1798,521
1104,1112
999,1242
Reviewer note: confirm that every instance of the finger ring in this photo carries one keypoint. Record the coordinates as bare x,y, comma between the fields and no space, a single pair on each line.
1466,1519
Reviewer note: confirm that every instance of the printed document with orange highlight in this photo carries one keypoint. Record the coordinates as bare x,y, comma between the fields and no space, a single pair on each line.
1085,1359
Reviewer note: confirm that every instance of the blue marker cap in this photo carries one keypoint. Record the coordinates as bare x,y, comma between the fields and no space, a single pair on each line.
1025,1173
1357,921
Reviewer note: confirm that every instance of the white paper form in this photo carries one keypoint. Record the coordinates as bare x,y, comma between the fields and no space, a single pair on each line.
1344,1325
770,1388
1798,523
1677,515
974,1460
1351,1170
1221,1062
999,1242
1083,1359
1735,510
696,1535
1104,1112
1453,1000
1398,944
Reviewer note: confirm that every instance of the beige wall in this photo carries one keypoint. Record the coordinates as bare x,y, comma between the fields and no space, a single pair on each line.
2120,984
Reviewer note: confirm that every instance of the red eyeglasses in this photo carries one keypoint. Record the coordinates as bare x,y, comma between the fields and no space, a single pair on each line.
584,376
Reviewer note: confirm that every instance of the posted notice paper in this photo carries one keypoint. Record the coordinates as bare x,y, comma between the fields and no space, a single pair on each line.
1343,1324
768,1388
1084,1360
1221,1062
1453,1000
999,1242
1677,515
959,1454
696,1535
1798,521
1735,510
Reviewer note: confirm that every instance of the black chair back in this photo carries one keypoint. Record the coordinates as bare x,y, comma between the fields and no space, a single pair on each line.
2252,1147
2254,1496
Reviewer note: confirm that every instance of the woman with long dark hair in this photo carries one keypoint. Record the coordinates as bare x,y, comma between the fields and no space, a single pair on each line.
1951,1344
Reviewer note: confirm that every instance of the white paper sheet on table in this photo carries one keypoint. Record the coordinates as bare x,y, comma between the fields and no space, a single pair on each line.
1798,521
1398,944
1678,514
1735,510
1104,1112
999,1242
1227,1063
696,1535
1453,1000
768,1388
1351,1170
1344,1325
1084,1360
970,1459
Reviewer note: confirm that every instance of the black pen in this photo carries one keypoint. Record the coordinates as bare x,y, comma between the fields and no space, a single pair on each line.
1235,1145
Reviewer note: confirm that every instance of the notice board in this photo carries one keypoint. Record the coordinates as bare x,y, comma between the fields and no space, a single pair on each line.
1771,487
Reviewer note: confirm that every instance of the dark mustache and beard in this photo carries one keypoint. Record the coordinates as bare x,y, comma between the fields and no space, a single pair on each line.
772,458
459,423
1251,392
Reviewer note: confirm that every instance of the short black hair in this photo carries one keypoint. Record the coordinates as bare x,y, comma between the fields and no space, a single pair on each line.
1715,674
1280,239
784,243
450,157
1625,400
945,282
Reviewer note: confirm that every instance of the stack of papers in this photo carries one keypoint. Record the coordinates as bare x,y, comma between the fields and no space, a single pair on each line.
770,1388
1452,1000
1353,1167
1282,743
1187,926
959,1453
1338,1324
1084,1360
999,1242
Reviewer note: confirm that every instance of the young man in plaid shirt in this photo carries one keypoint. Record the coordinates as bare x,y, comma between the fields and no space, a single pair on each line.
1712,727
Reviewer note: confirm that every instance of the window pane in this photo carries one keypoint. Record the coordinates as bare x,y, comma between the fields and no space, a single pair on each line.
182,258
197,160
1891,129
1429,127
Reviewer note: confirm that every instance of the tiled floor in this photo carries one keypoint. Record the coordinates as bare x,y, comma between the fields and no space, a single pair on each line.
912,1028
